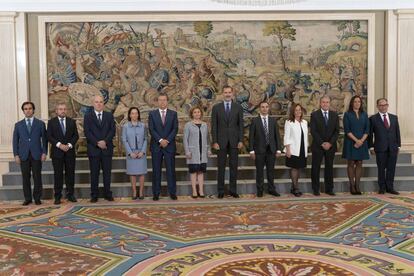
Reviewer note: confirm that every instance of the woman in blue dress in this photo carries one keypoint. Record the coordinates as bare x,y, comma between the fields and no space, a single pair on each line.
134,138
356,129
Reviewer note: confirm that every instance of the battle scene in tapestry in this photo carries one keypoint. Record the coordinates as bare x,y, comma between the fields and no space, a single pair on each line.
129,63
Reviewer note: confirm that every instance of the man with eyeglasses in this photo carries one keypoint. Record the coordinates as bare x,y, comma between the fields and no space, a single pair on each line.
385,143
30,150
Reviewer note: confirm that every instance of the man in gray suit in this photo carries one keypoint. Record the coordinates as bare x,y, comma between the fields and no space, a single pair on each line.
227,135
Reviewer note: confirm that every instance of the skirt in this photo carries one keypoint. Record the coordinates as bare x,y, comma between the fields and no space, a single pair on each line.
197,168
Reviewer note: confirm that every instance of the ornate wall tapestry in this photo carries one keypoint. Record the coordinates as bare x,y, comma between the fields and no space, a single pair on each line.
129,63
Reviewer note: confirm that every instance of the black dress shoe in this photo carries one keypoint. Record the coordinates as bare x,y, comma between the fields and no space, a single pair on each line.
173,197
38,202
381,192
141,197
94,200
235,195
274,193
316,193
72,199
259,194
220,195
330,193
26,202
155,198
109,198
57,201
394,192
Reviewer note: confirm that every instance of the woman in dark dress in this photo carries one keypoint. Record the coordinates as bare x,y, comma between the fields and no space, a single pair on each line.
356,128
296,144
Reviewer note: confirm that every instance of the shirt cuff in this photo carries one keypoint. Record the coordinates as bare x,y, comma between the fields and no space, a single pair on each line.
252,152
70,145
278,151
58,144
159,141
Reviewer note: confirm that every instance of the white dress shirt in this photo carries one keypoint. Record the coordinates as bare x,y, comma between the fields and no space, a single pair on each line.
267,124
386,115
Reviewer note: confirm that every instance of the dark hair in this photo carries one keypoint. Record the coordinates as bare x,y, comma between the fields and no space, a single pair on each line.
264,102
292,112
382,99
190,113
130,110
227,86
26,103
162,95
351,104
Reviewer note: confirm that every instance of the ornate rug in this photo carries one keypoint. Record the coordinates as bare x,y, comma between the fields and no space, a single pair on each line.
342,235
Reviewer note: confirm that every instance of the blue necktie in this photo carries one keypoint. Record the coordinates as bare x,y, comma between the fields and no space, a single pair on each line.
29,125
62,126
326,117
227,109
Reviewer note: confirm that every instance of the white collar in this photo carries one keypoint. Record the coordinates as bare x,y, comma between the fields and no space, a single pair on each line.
98,112
161,110
323,111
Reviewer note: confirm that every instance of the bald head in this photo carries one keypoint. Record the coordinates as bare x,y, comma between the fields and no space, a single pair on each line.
98,103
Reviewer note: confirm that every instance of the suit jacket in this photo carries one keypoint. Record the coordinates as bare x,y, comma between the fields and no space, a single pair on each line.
320,132
381,138
257,136
95,131
159,131
55,135
34,142
225,130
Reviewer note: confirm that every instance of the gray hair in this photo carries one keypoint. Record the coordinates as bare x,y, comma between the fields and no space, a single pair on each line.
324,97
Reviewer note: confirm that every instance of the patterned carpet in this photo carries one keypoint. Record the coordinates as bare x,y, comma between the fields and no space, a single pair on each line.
342,235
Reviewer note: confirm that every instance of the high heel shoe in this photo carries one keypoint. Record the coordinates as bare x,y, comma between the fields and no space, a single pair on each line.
357,190
352,188
295,192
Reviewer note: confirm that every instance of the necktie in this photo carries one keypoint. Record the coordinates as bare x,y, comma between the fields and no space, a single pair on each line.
227,109
386,124
325,117
163,117
266,129
100,118
29,125
62,125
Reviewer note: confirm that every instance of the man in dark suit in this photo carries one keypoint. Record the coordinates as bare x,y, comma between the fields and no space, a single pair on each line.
324,126
163,127
385,143
227,137
99,129
30,150
264,145
62,134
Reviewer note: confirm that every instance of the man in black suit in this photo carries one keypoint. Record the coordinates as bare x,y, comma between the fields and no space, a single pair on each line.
62,134
324,126
30,150
163,127
385,143
227,136
99,129
264,145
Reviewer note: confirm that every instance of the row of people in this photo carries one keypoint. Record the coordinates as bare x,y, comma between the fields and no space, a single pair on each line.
381,132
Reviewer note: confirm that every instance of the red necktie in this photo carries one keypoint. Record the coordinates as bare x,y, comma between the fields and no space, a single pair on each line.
386,124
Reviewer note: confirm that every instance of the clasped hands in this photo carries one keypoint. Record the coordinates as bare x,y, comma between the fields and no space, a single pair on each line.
358,143
136,155
64,148
102,144
164,143
326,145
